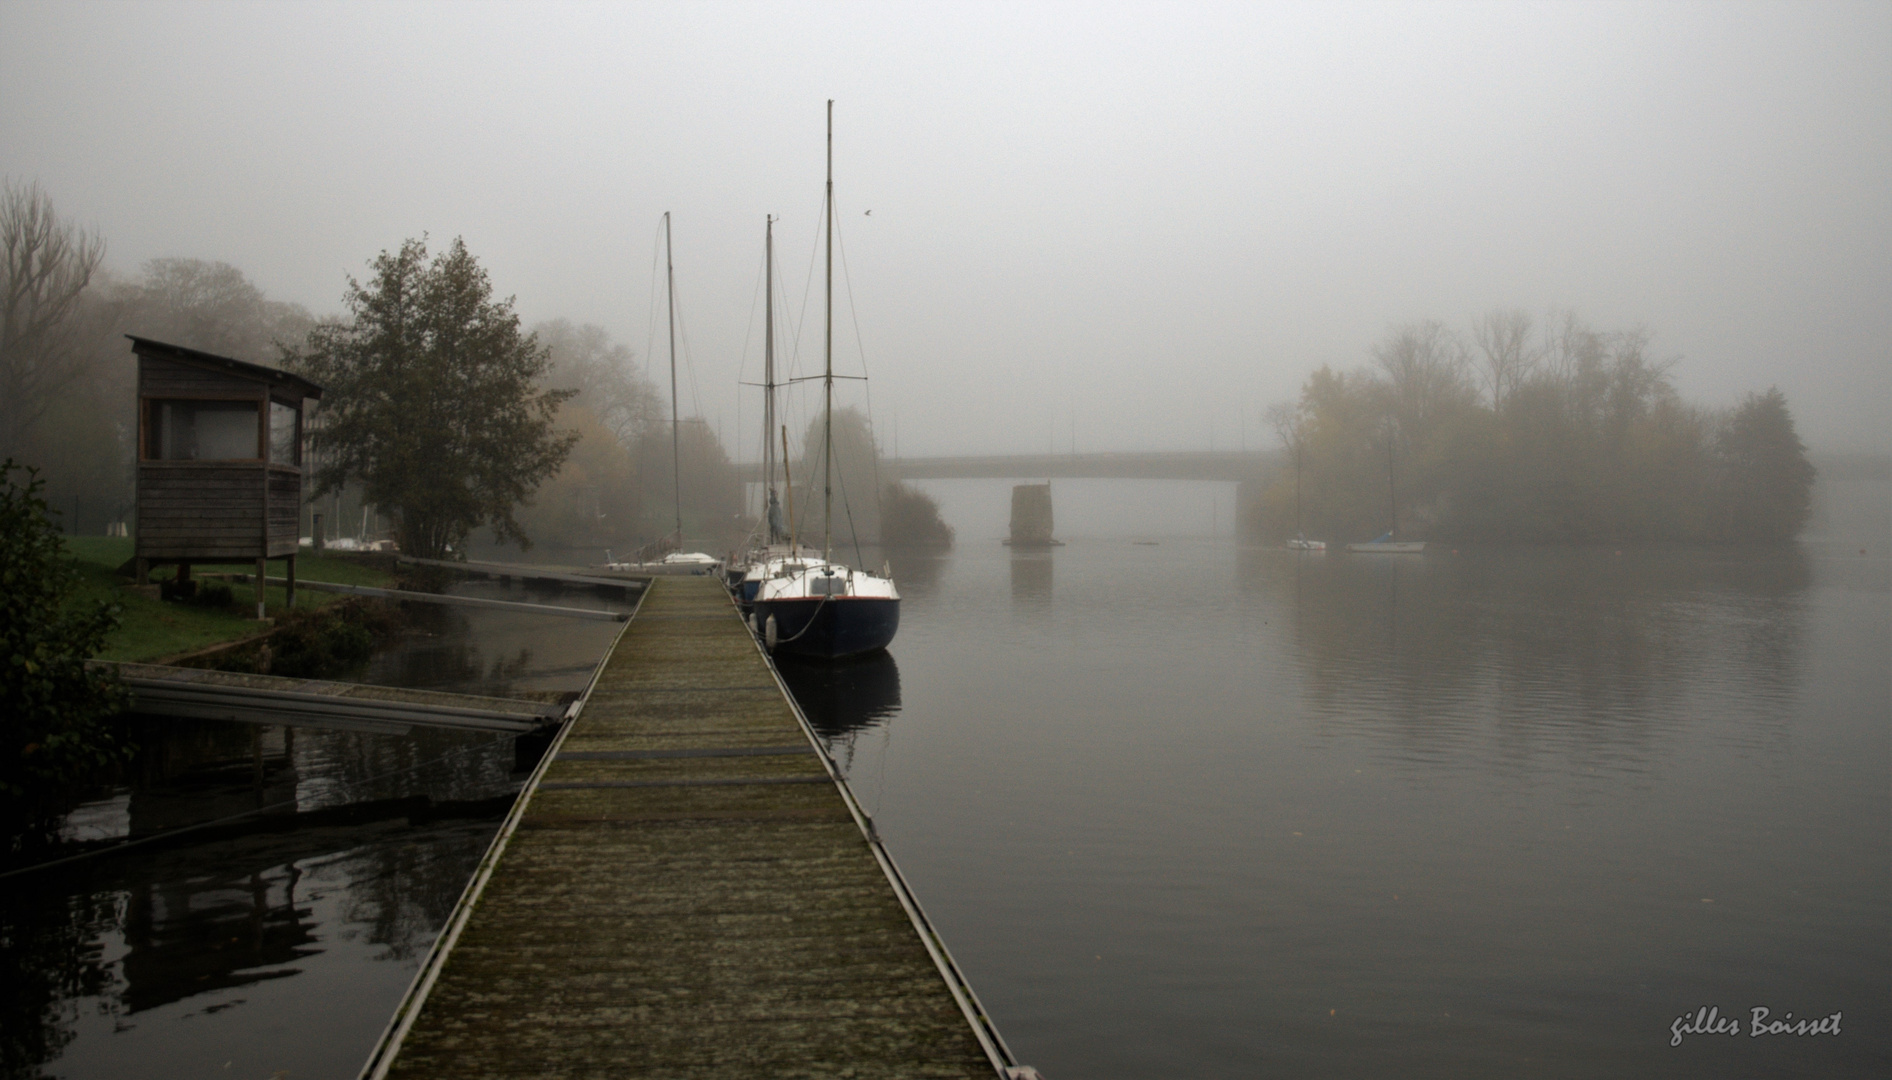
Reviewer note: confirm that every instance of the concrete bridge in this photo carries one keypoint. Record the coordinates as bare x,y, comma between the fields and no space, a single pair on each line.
1233,465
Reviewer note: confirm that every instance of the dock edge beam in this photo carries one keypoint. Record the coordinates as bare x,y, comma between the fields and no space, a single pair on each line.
389,1045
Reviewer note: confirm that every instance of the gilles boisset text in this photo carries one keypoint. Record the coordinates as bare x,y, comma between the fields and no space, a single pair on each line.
1708,1021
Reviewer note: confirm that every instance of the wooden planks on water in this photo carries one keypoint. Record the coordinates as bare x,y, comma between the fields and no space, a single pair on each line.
163,690
684,891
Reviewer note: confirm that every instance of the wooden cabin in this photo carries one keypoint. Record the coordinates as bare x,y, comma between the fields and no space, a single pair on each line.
219,461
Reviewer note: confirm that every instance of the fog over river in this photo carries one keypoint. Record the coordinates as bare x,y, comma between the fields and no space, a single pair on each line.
1175,803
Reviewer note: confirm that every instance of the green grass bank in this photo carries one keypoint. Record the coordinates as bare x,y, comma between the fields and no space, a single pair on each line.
154,629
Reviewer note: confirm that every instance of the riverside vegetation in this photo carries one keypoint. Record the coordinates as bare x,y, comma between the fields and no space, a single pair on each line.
59,715
1570,434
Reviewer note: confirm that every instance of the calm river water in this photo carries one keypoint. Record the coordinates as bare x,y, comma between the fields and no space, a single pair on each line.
1179,807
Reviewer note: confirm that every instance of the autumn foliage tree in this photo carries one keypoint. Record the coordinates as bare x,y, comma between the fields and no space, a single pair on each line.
1577,436
434,402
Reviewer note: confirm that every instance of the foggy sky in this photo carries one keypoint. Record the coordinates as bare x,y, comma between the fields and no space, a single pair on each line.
1134,226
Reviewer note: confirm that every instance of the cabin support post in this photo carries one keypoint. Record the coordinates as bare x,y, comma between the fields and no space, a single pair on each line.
289,600
262,574
141,571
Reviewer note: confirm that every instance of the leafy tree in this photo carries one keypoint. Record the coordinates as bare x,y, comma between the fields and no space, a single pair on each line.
604,373
1769,490
1581,437
711,490
855,491
212,306
911,517
593,499
55,709
434,401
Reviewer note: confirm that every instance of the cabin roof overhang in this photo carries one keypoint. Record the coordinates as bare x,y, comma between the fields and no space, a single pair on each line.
275,378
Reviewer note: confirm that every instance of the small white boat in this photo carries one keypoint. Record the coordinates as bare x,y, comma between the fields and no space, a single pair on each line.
676,564
691,558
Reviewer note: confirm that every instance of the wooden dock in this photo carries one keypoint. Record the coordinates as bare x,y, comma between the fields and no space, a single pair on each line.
687,889
164,690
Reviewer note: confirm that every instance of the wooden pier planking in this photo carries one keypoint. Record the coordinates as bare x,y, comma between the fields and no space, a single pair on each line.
164,690
685,891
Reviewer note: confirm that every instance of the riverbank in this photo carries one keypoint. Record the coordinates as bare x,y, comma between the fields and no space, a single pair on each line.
155,630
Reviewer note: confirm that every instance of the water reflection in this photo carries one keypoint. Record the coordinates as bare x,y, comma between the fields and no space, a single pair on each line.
196,936
916,570
474,651
191,932
843,700
366,843
1032,573
1598,651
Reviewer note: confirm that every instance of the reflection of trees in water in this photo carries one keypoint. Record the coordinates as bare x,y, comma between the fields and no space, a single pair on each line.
437,649
213,917
51,955
195,935
351,766
843,699
403,890
916,570
1553,645
218,914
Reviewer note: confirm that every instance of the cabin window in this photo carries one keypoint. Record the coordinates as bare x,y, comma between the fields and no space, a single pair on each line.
202,431
285,434
827,586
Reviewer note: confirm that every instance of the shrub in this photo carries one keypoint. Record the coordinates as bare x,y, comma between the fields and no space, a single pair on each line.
910,516
309,644
55,713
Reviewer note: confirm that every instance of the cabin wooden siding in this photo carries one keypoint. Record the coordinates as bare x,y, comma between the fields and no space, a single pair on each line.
159,378
211,511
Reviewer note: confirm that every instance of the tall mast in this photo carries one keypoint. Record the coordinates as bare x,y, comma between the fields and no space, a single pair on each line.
769,513
670,306
827,350
1392,489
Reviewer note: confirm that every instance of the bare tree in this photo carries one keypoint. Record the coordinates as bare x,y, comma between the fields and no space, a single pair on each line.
1506,356
45,266
212,306
1425,364
1571,349
1290,426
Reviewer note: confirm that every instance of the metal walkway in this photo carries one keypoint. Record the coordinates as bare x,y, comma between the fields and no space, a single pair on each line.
687,889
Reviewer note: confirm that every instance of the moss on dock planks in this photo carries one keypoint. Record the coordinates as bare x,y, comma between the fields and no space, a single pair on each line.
706,913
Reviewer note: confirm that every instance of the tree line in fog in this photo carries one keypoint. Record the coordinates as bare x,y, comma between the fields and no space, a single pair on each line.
68,384
1525,430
